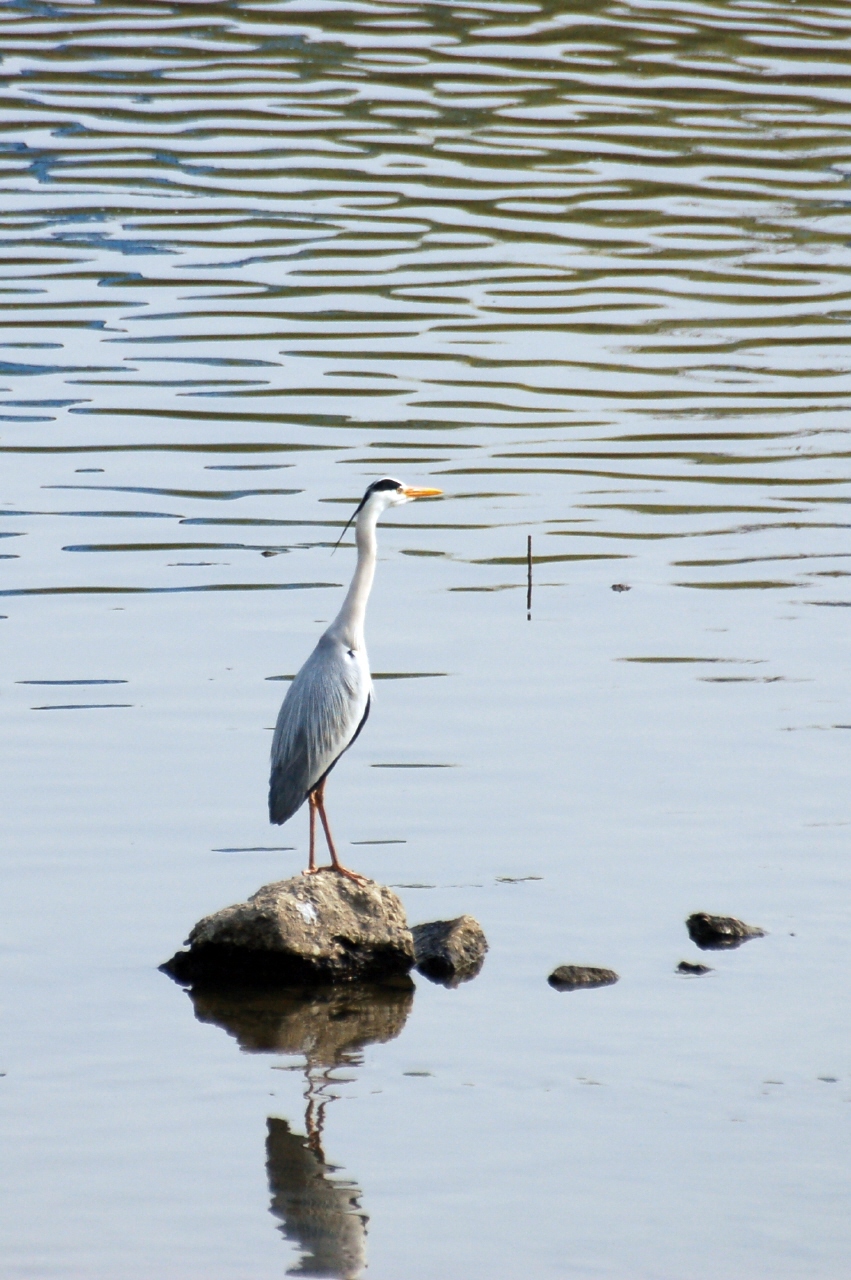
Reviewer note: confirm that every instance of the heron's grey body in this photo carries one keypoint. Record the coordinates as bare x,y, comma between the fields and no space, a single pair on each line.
324,710
328,701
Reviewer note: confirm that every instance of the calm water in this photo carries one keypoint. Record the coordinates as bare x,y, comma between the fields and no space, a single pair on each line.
586,268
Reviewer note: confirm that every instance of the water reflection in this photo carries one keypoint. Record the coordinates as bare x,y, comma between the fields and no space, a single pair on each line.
330,1027
319,1211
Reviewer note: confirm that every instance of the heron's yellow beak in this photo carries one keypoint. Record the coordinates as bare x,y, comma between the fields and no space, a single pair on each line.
411,492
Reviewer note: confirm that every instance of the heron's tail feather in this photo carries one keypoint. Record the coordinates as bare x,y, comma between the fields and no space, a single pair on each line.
285,797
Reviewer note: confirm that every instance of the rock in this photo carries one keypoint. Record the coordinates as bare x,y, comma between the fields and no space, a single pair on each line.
685,966
568,977
303,931
449,951
713,933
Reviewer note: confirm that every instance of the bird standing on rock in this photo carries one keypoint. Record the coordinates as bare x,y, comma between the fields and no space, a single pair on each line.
328,701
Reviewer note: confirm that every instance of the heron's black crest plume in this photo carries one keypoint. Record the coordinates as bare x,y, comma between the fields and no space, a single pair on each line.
386,483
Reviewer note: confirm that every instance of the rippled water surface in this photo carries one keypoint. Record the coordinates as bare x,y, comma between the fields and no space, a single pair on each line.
586,268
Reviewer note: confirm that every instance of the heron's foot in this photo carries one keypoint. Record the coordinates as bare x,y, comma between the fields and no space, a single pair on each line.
352,875
344,871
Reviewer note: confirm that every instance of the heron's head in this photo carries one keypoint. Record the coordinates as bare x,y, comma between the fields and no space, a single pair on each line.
382,494
392,493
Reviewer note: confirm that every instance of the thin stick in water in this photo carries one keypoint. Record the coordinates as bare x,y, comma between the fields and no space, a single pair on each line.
529,578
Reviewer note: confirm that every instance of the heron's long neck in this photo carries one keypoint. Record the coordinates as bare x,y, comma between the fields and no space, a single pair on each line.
348,624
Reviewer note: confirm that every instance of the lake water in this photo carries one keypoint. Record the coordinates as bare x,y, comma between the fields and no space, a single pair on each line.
586,268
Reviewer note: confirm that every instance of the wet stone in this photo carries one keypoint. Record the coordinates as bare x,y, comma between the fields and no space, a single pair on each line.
308,930
570,977
449,951
714,933
686,966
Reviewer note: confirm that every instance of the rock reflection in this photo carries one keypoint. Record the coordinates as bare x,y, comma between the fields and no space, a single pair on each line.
329,1026
319,1211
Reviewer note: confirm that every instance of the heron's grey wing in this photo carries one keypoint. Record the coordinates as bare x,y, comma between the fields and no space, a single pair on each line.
289,782
318,720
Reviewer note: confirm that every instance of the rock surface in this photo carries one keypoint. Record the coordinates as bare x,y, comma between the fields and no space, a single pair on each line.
307,930
713,933
449,951
569,977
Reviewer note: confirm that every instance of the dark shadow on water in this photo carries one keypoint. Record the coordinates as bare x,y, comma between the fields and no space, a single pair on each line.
319,1211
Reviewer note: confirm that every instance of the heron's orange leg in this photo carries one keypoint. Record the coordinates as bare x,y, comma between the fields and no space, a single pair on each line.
311,870
336,865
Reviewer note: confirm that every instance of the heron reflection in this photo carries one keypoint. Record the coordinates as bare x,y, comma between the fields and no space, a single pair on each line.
319,1210
319,1213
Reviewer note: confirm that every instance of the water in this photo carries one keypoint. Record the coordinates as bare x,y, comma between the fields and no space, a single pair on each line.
586,269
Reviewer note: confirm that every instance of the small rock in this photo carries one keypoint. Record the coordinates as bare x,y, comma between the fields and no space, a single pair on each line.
685,966
308,930
568,977
714,933
449,951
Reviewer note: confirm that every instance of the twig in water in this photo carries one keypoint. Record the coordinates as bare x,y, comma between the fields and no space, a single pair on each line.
529,578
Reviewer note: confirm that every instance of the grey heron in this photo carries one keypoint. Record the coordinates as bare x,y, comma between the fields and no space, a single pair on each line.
328,701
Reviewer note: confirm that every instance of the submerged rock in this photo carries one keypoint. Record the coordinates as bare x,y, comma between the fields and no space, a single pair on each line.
569,977
449,951
307,930
685,966
713,933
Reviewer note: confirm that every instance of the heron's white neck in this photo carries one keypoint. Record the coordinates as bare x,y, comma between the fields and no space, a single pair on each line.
348,624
